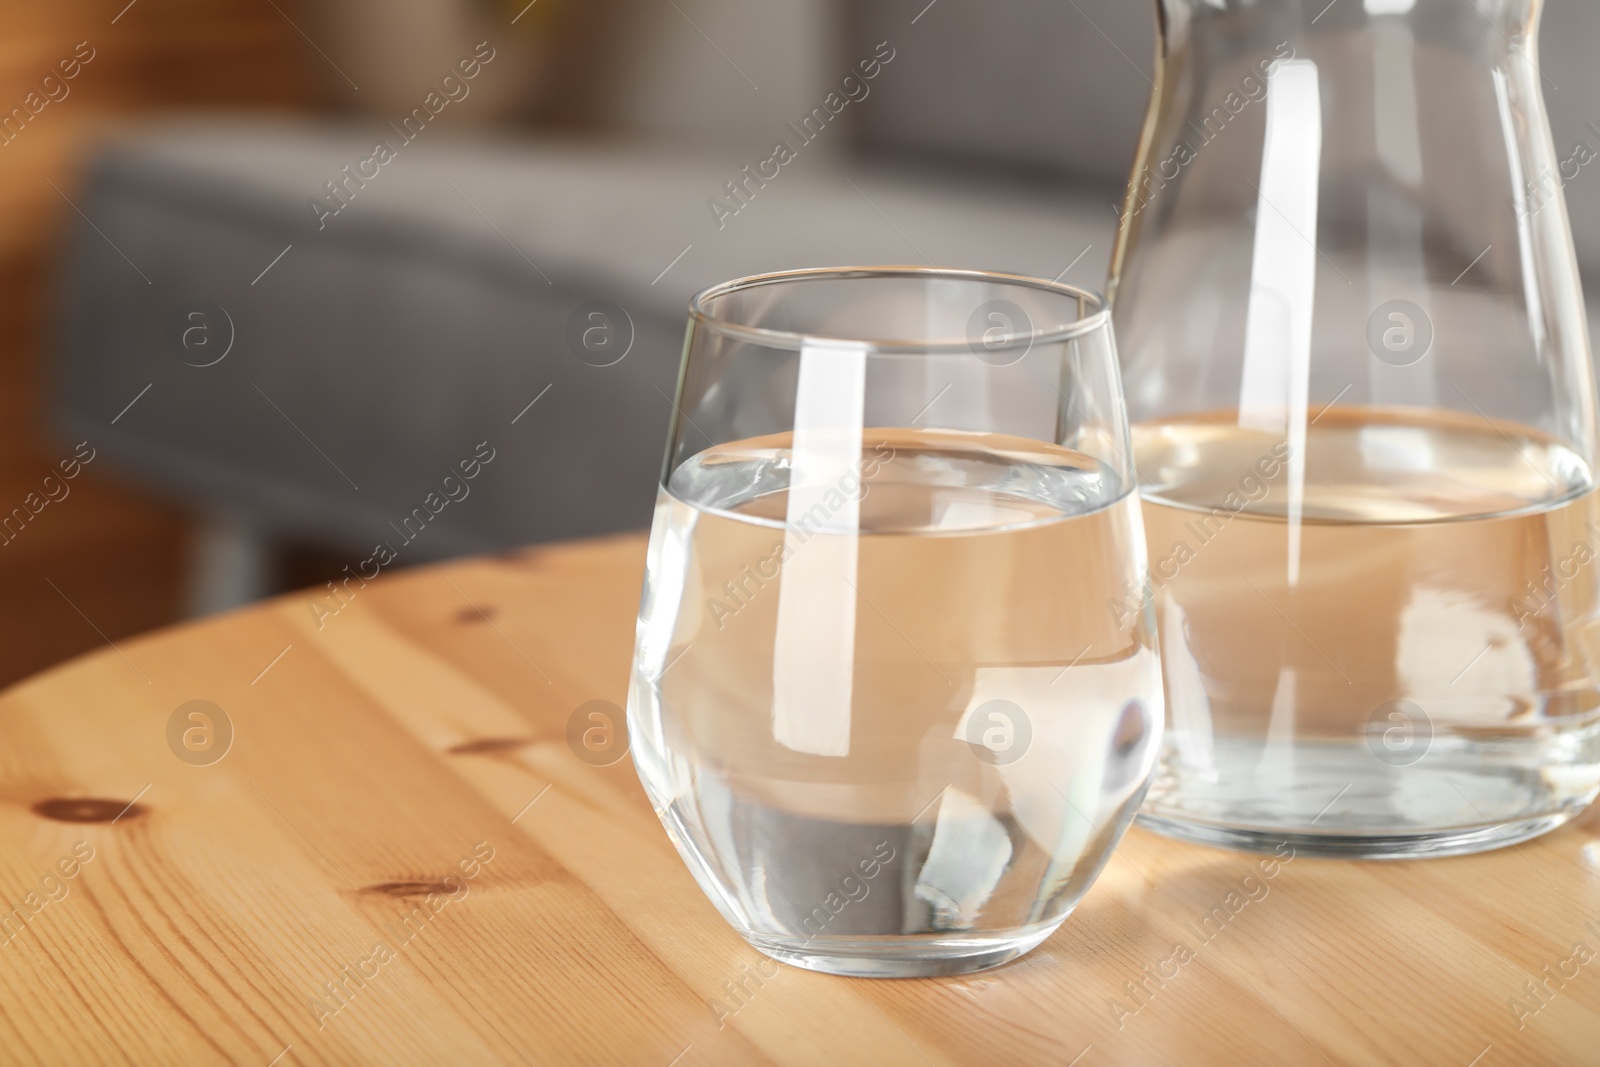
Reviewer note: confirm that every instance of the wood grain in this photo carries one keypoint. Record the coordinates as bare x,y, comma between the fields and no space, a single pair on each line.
427,719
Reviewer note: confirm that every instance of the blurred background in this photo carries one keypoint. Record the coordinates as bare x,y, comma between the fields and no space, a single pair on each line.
287,285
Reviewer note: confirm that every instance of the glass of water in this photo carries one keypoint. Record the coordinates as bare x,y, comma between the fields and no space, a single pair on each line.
896,693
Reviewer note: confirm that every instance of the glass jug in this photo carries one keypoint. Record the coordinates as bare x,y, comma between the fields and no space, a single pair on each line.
1357,360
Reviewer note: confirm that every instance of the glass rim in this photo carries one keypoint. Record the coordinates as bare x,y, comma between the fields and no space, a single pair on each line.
1097,316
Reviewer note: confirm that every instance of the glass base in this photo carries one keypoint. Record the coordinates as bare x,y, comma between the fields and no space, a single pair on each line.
1454,842
903,957
1459,794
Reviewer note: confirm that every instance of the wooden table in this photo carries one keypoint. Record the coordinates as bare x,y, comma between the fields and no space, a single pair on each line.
397,858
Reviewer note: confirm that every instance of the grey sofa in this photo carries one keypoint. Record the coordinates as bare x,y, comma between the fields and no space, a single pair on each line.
382,348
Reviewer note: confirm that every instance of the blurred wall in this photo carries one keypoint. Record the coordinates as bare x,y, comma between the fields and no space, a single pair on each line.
99,562
723,71
377,52
1032,59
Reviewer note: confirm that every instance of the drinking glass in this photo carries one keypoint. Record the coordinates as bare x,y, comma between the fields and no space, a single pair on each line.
896,692
1365,423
